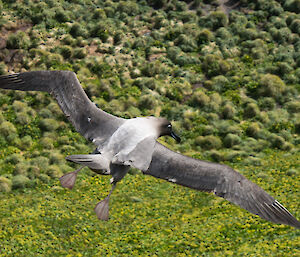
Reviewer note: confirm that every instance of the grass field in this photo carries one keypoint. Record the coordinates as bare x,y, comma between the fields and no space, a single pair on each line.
149,217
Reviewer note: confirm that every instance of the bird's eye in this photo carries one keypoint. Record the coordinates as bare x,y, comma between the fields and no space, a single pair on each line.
169,126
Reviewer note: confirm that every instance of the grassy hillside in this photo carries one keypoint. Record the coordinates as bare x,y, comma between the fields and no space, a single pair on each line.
227,76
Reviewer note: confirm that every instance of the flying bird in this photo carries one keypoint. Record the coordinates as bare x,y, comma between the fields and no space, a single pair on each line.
102,129
132,144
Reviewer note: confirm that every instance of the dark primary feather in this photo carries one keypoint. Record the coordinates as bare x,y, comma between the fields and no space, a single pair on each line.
87,119
166,164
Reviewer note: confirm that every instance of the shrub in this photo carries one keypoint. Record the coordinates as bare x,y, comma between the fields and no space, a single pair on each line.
53,60
61,15
147,102
18,40
7,129
251,110
214,65
186,43
46,143
295,26
33,172
56,158
40,162
216,20
80,53
14,158
228,111
293,106
271,85
22,118
204,37
208,142
130,8
216,156
1,118
219,83
3,68
253,130
21,169
19,106
78,30
292,6
20,181
44,178
277,141
49,124
26,142
145,82
199,98
5,184
267,103
54,171
231,140
66,51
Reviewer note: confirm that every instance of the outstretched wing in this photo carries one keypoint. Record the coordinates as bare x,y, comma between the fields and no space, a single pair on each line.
88,120
219,179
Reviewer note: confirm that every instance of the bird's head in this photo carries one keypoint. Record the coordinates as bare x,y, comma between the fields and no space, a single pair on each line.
165,129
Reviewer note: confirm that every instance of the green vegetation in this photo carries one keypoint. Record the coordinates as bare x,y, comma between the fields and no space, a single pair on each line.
230,84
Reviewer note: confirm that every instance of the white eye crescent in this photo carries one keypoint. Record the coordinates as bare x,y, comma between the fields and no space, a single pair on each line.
169,126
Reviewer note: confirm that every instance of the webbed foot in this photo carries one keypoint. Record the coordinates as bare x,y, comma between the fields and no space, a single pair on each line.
68,180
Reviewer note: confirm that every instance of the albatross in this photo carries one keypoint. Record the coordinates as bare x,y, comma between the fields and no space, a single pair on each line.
100,127
132,144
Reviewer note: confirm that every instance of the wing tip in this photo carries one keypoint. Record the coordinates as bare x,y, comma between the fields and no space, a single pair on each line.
286,217
277,213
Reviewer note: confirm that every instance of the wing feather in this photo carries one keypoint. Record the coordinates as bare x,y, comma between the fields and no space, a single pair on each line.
221,180
90,121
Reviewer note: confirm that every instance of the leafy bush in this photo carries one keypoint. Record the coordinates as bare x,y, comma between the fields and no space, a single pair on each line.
228,111
22,118
271,85
8,130
77,30
49,124
20,182
66,51
19,106
21,169
208,142
292,5
204,37
47,143
277,141
213,65
231,140
199,98
54,171
215,20
18,40
293,106
80,53
253,130
5,185
251,110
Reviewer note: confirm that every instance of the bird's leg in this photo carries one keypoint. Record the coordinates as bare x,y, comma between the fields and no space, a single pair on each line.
68,180
102,208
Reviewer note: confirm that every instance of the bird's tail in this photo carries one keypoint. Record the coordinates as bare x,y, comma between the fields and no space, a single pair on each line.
93,161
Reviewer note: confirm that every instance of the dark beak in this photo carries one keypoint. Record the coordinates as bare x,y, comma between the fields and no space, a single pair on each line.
177,138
